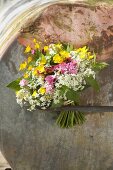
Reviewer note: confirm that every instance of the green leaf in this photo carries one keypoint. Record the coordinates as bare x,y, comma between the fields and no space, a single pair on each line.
61,102
64,46
70,94
63,89
99,66
37,55
92,82
69,47
14,85
73,96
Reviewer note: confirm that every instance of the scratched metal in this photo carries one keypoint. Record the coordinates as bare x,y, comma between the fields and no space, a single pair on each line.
32,141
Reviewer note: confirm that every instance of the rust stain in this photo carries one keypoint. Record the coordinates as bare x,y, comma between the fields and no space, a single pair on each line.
58,23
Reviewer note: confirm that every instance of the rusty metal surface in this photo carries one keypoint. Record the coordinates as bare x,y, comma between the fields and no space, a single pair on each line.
79,23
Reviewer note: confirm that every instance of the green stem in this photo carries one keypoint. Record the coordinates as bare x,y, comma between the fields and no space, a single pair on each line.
68,119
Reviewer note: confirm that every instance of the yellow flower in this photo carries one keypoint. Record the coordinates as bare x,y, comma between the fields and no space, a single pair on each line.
35,72
64,54
37,46
57,59
30,68
26,75
46,48
83,49
34,94
88,53
23,65
41,68
43,60
82,56
42,90
59,46
83,52
28,49
34,40
90,57
29,59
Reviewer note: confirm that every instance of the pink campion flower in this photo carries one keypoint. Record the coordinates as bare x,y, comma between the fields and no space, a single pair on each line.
72,68
74,62
61,67
50,79
49,88
32,51
23,82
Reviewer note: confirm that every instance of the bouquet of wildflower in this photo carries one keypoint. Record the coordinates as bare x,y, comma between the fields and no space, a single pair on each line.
55,75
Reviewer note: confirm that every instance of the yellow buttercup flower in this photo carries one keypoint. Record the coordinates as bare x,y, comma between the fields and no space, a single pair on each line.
57,59
83,50
46,48
59,46
37,46
43,60
26,75
42,90
34,94
30,68
88,53
64,54
28,49
35,72
23,65
90,57
41,69
29,59
34,40
82,56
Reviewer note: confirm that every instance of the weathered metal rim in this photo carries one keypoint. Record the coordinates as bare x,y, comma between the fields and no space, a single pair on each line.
15,17
85,109
19,14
